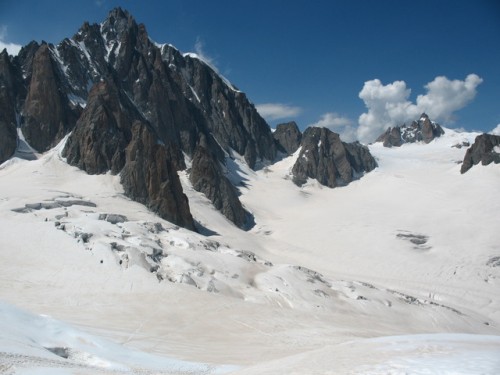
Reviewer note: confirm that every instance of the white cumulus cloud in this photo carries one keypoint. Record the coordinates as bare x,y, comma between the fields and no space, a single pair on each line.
446,96
389,105
338,124
12,48
496,131
332,120
276,111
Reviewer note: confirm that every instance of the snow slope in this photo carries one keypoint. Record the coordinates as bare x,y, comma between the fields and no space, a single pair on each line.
404,261
42,342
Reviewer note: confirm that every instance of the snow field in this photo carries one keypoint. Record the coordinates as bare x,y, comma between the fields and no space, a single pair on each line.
324,277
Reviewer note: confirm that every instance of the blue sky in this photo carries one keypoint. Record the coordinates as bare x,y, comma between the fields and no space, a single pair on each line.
354,66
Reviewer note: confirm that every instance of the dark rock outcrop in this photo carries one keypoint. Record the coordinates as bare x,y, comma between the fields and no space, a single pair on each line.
8,132
359,157
462,144
149,177
102,132
391,137
229,116
484,150
47,115
423,130
288,137
113,218
111,136
330,161
207,177
428,129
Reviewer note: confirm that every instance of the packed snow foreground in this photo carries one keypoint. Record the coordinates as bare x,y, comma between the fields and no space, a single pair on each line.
399,272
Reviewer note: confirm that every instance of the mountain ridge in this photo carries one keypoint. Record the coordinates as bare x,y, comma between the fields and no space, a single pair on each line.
421,130
97,84
143,84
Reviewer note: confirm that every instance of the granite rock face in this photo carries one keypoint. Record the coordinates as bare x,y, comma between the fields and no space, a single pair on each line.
97,144
111,136
228,115
8,121
359,157
47,114
207,177
428,130
325,158
150,177
423,130
288,137
391,137
484,150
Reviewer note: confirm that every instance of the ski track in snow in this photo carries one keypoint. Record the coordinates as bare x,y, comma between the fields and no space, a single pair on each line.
410,248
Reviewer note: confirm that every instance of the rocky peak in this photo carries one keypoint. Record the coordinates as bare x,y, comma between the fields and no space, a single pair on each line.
427,128
485,149
6,71
288,137
117,23
8,94
424,117
324,157
421,130
47,114
179,95
91,51
24,60
11,79
102,132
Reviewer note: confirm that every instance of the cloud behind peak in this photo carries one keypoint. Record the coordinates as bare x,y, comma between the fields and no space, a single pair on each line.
389,105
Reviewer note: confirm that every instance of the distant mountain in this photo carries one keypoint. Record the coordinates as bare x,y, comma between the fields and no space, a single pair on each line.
139,109
422,130
288,137
325,158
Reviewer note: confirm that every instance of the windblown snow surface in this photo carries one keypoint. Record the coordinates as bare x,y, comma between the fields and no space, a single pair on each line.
397,273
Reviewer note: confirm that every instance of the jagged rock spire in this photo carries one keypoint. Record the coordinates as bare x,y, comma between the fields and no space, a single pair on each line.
421,130
8,134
